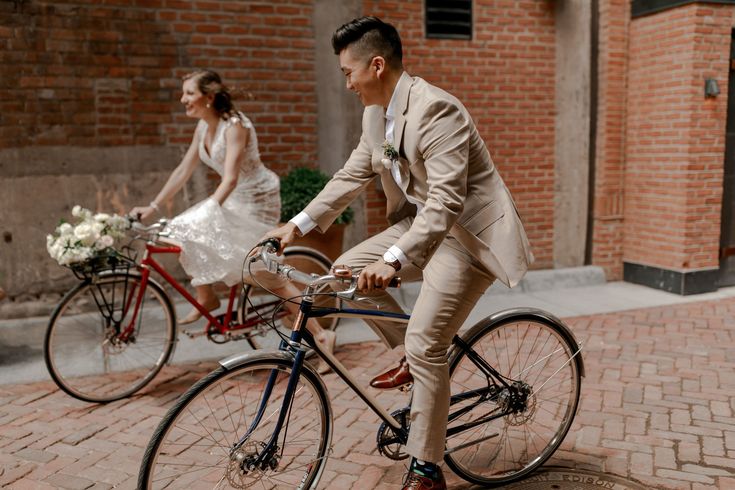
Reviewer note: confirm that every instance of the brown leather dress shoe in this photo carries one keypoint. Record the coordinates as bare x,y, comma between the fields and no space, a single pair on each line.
414,481
397,377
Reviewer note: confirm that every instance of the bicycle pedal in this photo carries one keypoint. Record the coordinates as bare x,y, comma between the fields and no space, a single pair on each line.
194,334
406,388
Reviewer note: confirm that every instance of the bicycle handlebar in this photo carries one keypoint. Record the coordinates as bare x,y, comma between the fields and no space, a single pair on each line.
267,255
154,230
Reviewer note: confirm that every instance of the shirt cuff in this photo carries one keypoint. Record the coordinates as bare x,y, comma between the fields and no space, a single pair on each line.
395,253
303,222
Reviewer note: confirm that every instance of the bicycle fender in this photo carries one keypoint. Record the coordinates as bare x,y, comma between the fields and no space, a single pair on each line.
529,313
237,360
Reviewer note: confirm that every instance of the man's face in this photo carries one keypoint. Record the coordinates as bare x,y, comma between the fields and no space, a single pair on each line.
361,77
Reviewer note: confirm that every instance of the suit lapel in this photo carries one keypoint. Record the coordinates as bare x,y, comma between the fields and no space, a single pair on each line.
402,95
404,90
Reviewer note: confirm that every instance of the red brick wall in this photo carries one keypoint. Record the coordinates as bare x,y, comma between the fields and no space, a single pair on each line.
91,73
675,137
607,212
505,77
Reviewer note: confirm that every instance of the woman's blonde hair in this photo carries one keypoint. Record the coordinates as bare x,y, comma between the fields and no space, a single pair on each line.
209,83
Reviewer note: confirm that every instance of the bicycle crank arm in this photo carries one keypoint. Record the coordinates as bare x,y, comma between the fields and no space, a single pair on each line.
471,443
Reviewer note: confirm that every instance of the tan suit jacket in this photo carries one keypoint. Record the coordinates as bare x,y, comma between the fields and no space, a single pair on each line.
445,165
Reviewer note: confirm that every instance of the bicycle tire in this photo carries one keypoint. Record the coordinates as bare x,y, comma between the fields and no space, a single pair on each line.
303,259
525,347
84,357
192,448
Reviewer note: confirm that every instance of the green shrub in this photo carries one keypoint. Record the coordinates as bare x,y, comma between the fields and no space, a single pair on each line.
299,187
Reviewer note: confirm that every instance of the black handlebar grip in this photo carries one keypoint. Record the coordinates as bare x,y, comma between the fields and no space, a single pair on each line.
273,242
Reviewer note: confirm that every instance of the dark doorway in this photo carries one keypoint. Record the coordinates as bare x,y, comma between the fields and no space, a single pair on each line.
727,234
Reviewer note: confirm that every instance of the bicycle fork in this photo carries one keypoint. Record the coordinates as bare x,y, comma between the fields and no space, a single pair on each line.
265,458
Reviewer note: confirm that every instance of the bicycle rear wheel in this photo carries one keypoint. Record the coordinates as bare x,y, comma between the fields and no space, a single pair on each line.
520,427
84,350
194,446
257,305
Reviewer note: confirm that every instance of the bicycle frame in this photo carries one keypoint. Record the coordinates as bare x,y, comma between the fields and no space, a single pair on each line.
149,263
299,333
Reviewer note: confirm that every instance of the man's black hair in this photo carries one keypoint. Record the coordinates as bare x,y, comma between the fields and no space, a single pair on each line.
368,37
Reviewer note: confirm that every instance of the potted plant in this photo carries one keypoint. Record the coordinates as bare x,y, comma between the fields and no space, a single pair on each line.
298,188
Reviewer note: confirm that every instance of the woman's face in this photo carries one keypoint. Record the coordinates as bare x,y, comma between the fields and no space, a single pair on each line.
194,101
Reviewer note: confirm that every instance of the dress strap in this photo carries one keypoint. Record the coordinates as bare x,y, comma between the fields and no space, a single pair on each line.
239,118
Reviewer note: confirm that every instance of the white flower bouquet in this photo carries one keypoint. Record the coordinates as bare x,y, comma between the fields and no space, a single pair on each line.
92,236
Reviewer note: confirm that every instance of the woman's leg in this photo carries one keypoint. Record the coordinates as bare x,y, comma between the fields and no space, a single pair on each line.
207,298
326,338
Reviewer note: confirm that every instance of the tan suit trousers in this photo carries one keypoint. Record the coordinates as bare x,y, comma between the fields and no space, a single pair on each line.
453,281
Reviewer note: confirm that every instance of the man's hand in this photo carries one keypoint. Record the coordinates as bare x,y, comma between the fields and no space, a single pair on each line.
286,234
375,276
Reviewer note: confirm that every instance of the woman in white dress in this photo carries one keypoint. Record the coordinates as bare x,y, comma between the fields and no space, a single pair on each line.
216,234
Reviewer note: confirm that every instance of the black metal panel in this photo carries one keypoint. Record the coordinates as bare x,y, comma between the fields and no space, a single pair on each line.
639,8
683,283
448,19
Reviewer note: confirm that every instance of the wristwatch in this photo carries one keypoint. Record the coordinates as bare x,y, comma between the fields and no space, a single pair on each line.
395,263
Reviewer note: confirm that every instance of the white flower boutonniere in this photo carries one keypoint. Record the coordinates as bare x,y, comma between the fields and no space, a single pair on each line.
390,155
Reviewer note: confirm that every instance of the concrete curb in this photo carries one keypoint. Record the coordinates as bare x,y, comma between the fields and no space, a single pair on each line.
534,281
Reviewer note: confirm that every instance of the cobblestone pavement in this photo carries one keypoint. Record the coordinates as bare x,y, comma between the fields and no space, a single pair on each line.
657,407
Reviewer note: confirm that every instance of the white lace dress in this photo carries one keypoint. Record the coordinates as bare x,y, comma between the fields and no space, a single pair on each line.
214,239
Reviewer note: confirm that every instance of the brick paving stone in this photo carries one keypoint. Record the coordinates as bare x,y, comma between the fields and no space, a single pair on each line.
29,454
13,474
685,476
26,484
665,458
61,480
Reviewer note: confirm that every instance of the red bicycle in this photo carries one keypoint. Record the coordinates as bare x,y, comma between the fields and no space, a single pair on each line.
113,332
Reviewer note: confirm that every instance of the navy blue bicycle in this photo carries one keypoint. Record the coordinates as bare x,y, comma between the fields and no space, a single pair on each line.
264,419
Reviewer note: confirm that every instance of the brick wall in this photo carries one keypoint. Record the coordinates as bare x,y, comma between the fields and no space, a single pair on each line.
675,137
505,77
90,73
607,211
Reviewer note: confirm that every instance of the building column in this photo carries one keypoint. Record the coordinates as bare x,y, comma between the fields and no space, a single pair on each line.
572,135
339,111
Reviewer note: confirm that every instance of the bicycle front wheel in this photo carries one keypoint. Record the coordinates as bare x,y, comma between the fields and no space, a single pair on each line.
216,434
87,350
511,432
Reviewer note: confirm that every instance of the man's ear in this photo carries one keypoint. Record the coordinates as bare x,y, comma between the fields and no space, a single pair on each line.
378,64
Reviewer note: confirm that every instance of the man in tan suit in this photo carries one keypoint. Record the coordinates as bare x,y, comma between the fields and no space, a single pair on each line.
453,221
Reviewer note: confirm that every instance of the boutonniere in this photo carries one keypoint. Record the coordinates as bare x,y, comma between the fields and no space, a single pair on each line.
390,155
